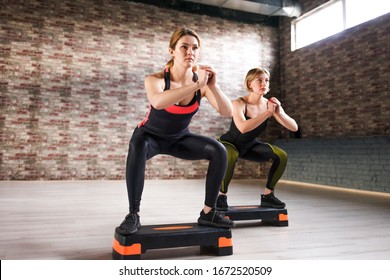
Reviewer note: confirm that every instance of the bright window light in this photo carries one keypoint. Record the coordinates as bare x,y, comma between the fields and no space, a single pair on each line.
318,26
359,11
334,17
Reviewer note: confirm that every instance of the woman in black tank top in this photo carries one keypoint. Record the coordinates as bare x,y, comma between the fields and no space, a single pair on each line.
250,118
174,96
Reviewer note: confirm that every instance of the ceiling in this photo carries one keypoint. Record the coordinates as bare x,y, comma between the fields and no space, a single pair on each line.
253,11
288,8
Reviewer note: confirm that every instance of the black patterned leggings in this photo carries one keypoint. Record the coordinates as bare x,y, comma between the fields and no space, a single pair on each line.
258,152
143,146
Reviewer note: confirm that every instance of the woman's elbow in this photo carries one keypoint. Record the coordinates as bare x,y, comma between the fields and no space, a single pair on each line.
294,128
227,113
156,104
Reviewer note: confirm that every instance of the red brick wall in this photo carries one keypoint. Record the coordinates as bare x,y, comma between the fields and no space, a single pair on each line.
339,86
72,90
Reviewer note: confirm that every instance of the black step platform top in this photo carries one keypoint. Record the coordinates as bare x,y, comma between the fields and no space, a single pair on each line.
255,212
178,229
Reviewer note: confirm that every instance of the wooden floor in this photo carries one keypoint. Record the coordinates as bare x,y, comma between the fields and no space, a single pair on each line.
75,220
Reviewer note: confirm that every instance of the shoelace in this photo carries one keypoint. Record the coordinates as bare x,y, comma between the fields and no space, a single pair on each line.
131,218
275,198
219,214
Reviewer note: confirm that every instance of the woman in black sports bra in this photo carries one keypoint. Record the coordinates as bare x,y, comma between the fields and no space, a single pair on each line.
174,96
250,118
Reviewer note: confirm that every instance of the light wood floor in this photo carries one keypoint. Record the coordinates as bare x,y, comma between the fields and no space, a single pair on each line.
75,220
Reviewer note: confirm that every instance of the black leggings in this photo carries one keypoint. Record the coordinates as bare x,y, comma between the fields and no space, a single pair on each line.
259,152
144,146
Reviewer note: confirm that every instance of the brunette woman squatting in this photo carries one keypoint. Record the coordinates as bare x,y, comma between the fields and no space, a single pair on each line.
174,95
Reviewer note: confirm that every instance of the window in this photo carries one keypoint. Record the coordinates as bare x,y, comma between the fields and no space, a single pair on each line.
334,17
359,11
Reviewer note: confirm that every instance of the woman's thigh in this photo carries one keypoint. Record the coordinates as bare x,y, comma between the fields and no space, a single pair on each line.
196,147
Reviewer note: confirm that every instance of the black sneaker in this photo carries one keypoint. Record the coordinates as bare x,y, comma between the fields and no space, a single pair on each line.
222,203
270,200
130,224
215,218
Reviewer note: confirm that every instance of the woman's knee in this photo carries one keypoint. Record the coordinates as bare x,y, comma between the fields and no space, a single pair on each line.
282,155
138,146
137,142
232,152
216,150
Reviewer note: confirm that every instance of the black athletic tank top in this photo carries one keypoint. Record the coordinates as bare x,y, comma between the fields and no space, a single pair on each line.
175,119
234,136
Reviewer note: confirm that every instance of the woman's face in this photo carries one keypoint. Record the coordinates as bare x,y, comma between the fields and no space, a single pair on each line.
186,51
260,84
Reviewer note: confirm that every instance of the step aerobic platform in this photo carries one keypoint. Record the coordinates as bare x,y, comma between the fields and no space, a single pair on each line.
277,217
211,239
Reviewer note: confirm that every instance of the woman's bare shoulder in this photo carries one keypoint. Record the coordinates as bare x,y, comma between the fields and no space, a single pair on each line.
157,75
239,101
154,78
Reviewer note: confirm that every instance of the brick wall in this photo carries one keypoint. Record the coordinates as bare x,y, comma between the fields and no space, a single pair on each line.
72,91
339,86
338,91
